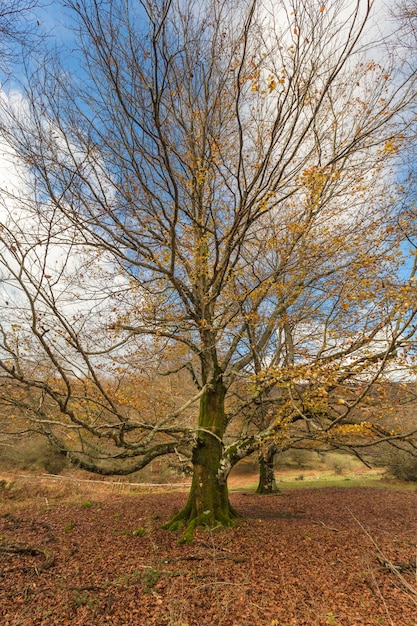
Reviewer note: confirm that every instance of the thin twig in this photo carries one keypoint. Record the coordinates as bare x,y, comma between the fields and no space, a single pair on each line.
319,522
408,589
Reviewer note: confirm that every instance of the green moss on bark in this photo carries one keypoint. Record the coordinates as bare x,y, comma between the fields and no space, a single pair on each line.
208,501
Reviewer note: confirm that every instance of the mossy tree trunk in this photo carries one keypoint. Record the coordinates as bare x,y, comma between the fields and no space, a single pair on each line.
267,482
208,501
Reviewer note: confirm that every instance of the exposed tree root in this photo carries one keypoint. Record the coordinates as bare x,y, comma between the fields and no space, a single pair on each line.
187,517
24,548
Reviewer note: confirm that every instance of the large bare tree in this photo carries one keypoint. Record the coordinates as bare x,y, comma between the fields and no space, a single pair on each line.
233,166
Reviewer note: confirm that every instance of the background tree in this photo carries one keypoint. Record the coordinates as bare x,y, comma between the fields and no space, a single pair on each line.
233,167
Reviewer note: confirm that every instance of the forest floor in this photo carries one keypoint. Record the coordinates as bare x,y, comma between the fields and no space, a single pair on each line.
77,554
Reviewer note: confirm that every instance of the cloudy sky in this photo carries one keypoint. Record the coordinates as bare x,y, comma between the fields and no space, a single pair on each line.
61,274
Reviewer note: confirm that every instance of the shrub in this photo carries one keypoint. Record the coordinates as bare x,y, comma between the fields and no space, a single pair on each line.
339,463
402,465
33,453
299,459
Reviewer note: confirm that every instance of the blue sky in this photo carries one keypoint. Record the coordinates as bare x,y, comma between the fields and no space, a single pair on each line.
54,19
57,21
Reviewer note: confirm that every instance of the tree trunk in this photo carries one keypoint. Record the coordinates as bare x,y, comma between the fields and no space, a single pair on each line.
208,501
267,482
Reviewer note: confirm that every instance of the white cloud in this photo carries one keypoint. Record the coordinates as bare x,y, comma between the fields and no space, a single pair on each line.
50,277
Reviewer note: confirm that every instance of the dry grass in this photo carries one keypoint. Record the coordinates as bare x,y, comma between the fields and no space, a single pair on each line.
18,489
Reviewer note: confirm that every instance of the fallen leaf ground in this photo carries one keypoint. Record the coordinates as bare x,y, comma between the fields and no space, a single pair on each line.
304,557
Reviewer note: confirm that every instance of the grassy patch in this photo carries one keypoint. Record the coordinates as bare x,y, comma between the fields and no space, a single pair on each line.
292,480
331,480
